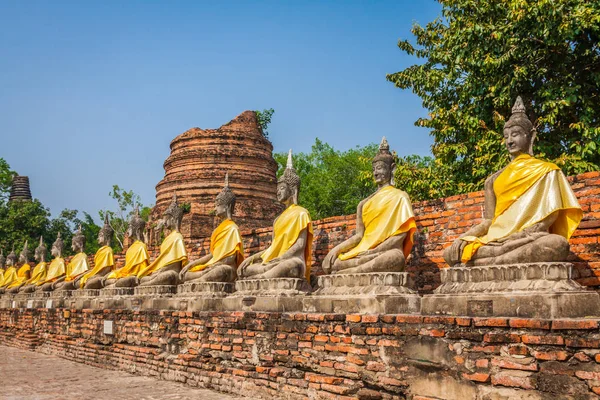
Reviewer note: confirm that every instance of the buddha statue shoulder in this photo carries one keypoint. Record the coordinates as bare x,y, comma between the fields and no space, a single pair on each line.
136,257
165,269
385,226
103,260
77,266
38,275
23,272
226,249
289,255
530,210
57,268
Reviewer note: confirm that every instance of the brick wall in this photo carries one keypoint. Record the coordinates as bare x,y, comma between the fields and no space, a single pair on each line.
327,356
439,222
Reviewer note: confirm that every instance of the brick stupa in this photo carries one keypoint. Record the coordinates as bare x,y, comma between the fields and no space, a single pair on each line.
196,168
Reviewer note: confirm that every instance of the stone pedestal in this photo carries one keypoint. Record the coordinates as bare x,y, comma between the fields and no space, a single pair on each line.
536,290
80,298
117,291
272,295
205,289
158,290
369,293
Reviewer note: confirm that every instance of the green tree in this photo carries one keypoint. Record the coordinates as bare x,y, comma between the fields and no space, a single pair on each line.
333,182
20,221
127,201
6,177
264,119
479,56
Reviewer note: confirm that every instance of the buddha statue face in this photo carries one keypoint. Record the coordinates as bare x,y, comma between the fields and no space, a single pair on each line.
11,259
106,233
40,252
136,226
283,192
225,201
517,141
382,172
57,247
78,242
24,255
173,215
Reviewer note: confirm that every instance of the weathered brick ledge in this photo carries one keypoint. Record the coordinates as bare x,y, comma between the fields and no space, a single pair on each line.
327,356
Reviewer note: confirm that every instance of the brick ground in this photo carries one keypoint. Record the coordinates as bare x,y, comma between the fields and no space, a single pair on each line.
28,375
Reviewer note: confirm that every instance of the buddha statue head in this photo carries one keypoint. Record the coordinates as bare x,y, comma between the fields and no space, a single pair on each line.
40,251
288,185
106,233
57,247
24,255
2,259
173,215
136,226
384,165
225,201
78,241
519,133
11,260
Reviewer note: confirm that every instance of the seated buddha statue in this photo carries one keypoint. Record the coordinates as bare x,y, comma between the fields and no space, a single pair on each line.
136,257
39,272
76,267
289,255
385,225
2,267
530,210
103,260
56,270
226,251
10,273
23,273
165,269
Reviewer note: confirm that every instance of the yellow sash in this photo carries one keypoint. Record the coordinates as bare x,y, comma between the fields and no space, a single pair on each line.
55,270
21,277
388,213
224,242
38,275
2,271
172,250
9,276
136,258
286,230
102,259
527,192
77,266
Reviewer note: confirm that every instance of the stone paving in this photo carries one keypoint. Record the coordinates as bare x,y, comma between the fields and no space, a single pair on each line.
33,376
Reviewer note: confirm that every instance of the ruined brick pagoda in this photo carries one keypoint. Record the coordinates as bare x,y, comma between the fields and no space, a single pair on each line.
195,171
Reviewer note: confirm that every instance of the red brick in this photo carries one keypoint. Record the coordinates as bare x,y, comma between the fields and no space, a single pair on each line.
330,380
482,363
580,342
501,337
369,318
493,322
409,319
463,321
353,318
574,324
477,377
529,323
545,339
560,355
508,364
519,379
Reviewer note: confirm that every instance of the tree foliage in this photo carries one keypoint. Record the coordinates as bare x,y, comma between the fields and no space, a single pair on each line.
264,119
332,182
478,57
6,178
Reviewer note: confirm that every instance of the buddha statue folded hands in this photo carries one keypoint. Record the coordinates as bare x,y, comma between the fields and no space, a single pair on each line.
23,273
289,255
136,257
530,210
76,267
165,269
103,260
56,270
385,226
226,250
39,271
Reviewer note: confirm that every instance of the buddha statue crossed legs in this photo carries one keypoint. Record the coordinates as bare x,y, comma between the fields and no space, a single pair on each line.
530,208
226,251
39,272
385,226
289,255
57,268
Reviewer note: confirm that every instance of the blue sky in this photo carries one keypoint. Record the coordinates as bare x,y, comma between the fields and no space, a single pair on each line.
92,92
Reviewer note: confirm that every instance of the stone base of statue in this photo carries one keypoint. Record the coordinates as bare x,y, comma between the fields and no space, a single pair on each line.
117,291
271,295
535,290
205,289
80,298
155,290
39,295
367,293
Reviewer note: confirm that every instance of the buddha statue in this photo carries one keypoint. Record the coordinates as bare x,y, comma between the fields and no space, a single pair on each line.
57,268
39,272
76,267
136,257
103,260
2,266
385,226
289,255
173,256
226,251
530,210
23,273
10,273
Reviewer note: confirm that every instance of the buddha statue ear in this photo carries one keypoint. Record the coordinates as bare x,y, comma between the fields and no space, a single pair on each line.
393,167
532,136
